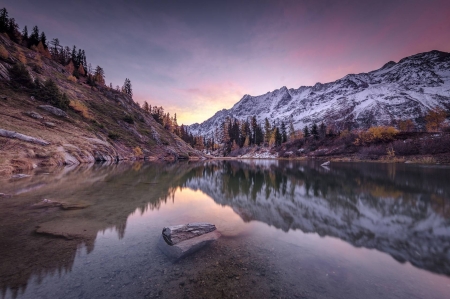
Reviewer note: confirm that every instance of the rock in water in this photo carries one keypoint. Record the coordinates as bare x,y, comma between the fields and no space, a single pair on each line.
177,233
181,240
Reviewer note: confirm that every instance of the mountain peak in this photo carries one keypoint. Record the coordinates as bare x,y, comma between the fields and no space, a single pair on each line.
403,90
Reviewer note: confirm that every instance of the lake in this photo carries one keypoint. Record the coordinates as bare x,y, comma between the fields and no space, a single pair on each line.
289,230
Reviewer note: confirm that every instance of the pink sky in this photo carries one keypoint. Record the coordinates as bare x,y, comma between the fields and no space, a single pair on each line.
197,57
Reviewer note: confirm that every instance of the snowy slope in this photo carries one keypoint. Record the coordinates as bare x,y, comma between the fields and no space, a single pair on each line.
403,90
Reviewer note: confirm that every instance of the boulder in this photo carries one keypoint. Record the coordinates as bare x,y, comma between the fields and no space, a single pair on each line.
20,176
35,115
179,241
53,110
49,124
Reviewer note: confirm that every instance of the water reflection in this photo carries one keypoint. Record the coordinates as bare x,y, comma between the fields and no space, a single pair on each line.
401,210
397,209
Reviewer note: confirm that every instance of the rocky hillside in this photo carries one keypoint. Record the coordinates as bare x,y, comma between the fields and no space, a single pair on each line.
101,124
403,90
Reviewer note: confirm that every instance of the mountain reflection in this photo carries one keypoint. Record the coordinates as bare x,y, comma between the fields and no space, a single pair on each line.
402,210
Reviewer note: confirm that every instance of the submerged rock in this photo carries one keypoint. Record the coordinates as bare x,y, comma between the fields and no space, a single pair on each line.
182,240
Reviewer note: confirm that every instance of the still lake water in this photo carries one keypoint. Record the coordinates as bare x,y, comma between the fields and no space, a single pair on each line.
289,230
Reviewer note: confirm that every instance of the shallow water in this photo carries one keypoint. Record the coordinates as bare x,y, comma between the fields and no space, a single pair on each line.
289,230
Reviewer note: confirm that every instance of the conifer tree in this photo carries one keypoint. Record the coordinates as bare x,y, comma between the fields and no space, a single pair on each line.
127,88
314,131
99,75
267,131
278,137
43,39
322,130
34,37
4,20
25,33
13,30
283,132
291,130
306,132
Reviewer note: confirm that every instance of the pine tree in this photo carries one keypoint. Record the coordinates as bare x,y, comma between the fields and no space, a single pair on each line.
73,56
43,39
25,33
127,88
322,130
34,37
306,132
283,132
254,125
314,131
291,130
54,50
13,30
4,20
99,75
278,137
267,131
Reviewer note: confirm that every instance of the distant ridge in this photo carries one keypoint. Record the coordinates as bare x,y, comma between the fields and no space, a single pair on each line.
403,90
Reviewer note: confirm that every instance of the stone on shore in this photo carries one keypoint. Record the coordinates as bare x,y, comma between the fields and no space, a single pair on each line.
182,240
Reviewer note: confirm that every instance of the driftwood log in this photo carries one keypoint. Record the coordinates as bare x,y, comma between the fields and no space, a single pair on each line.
12,134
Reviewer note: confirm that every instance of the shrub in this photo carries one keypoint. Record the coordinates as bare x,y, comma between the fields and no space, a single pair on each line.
50,93
434,119
72,79
137,151
20,76
3,53
376,134
405,147
113,135
373,151
128,119
435,145
406,125
20,56
80,107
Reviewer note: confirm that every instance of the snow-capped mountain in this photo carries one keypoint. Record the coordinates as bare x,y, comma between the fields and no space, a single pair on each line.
403,90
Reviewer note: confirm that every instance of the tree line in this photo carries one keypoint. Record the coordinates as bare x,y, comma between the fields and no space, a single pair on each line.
74,59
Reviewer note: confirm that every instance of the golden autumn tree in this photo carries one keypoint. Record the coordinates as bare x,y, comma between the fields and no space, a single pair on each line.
435,119
81,70
70,67
406,125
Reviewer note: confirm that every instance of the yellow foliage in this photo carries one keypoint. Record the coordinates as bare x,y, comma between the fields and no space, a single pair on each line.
137,151
21,56
406,125
390,152
70,67
435,118
81,108
3,52
344,133
376,134
72,78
